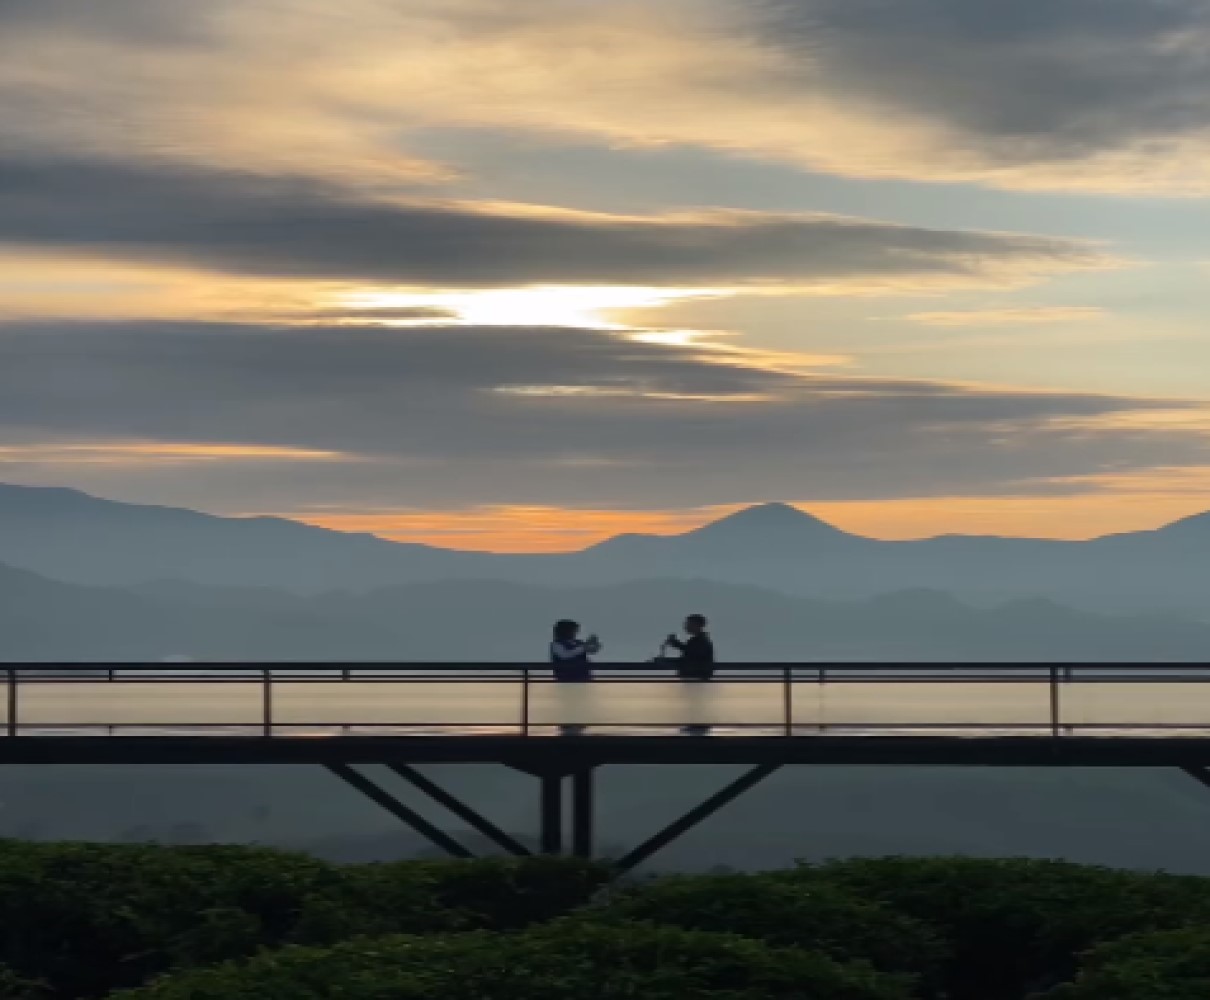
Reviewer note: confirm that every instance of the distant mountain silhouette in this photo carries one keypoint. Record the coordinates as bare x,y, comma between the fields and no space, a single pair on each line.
44,620
69,536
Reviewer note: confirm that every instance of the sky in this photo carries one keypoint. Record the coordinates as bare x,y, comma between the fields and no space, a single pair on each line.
520,274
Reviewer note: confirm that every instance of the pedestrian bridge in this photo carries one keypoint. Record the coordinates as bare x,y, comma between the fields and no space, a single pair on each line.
763,715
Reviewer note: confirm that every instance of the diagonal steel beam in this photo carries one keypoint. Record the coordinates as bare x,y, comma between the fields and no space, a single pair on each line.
1198,772
460,809
694,816
397,809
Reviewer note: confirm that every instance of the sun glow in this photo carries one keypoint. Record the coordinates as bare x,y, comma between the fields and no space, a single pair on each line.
539,305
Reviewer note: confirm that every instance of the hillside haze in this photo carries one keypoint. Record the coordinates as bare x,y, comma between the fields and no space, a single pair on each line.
70,536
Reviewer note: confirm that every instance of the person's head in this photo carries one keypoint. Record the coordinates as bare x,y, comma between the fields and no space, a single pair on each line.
565,629
695,624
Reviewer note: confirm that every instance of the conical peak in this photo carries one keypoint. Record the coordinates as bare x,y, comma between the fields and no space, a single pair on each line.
767,517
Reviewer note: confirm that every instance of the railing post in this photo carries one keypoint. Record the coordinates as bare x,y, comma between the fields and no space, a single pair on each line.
525,701
12,701
788,699
267,701
1054,701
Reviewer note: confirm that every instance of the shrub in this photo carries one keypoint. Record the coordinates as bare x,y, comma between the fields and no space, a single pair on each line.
1161,965
88,917
819,918
14,987
1017,925
91,918
568,959
487,893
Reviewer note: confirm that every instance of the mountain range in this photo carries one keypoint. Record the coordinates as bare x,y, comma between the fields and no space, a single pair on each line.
44,620
73,537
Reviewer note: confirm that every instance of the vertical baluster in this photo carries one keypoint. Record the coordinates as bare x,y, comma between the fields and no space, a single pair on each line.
788,699
267,701
12,701
1054,700
525,701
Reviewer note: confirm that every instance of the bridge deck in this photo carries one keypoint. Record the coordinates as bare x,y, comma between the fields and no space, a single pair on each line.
568,754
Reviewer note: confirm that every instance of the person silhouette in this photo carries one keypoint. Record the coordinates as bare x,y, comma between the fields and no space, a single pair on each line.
696,662
569,657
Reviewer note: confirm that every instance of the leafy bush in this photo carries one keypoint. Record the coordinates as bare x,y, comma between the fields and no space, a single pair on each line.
487,893
1017,925
89,918
568,959
819,917
14,987
1162,965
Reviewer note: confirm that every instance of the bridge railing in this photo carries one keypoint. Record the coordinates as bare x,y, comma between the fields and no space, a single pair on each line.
786,699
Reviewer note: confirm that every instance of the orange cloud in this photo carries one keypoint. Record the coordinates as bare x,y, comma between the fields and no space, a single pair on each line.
512,528
142,453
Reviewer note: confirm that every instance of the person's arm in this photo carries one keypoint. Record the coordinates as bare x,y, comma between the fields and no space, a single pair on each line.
675,643
571,651
593,645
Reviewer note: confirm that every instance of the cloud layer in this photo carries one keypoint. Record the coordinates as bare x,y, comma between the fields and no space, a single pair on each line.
275,227
422,417
1094,95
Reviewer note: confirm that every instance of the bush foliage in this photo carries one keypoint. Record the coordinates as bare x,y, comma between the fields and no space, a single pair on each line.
1162,965
566,960
82,921
1017,926
86,918
819,917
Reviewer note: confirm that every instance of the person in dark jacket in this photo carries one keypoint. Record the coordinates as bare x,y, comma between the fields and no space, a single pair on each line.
569,659
696,663
569,653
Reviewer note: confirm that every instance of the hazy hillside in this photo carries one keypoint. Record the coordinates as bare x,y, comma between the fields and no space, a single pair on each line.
1140,817
69,536
44,620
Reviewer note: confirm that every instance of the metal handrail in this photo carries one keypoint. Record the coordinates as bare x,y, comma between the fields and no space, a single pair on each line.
1056,676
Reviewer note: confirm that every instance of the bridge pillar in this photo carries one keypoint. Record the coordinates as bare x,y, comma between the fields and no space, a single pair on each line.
582,810
551,814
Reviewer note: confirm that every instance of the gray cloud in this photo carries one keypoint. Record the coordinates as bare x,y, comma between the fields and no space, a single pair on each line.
252,225
649,424
1028,80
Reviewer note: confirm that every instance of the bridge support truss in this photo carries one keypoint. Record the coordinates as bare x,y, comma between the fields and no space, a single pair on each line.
554,832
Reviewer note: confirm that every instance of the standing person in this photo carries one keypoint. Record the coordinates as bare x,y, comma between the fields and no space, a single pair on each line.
569,658
696,662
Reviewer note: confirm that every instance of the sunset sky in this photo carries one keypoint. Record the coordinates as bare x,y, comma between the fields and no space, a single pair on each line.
520,274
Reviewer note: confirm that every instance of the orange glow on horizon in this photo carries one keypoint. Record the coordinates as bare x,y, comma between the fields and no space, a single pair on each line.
552,529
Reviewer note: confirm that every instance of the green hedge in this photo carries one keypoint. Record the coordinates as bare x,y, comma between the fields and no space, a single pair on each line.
1017,926
818,917
568,960
15,987
1162,965
89,918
